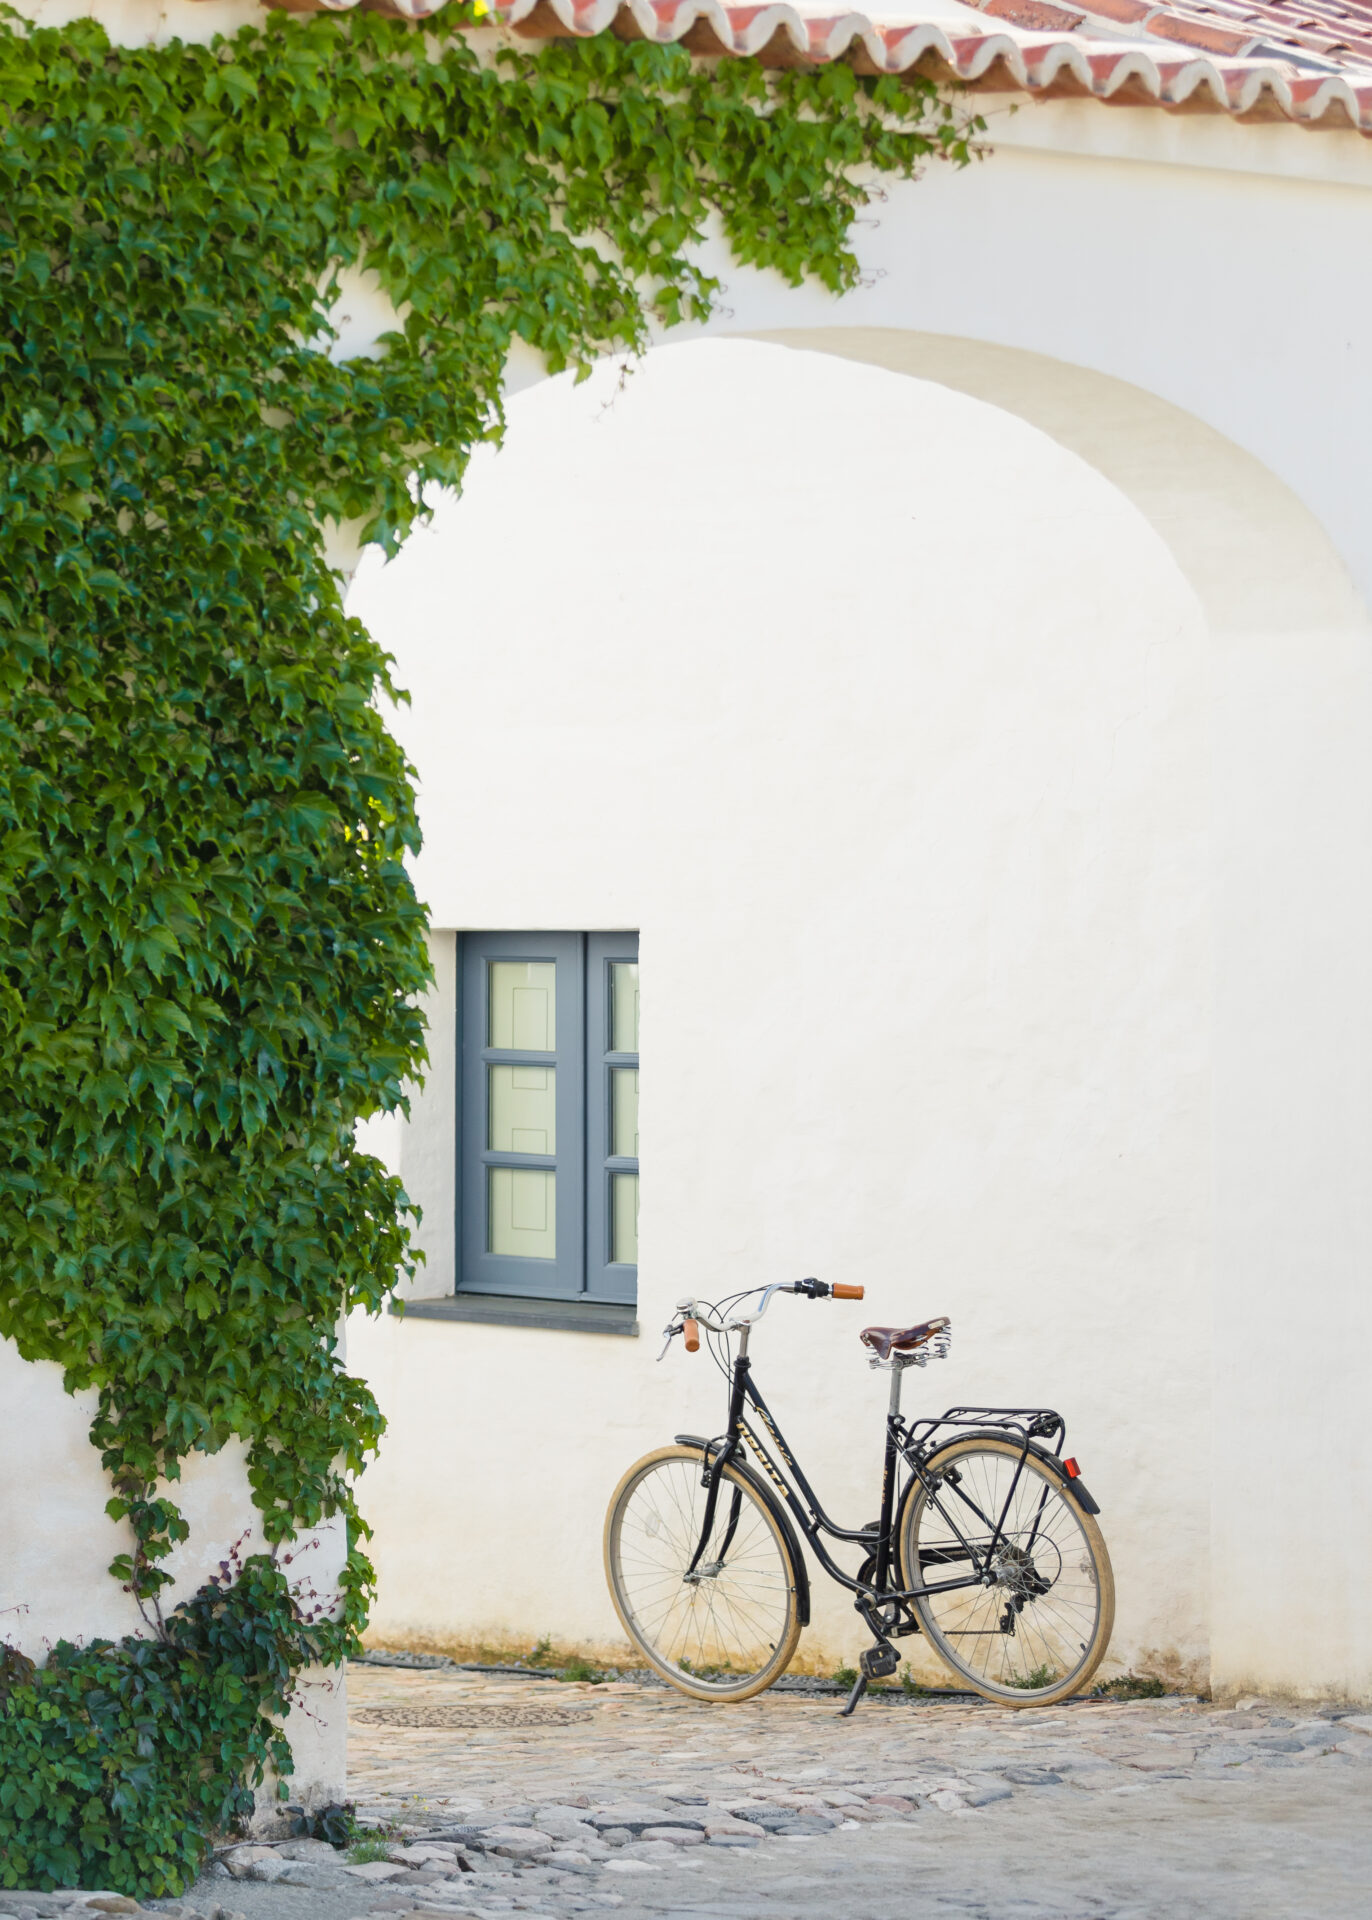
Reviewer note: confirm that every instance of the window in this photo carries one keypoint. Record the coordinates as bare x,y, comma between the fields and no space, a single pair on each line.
548,1120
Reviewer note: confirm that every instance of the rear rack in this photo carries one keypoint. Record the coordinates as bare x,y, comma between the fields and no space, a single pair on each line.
1020,1424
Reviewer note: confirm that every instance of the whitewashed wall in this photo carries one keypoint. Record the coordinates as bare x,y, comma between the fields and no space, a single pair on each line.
1176,302
59,1541
885,719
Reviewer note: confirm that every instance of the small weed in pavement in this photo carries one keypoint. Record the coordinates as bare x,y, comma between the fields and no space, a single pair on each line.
374,1847
579,1669
1131,1686
1031,1682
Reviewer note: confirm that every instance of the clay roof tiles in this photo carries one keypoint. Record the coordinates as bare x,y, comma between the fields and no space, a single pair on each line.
1307,61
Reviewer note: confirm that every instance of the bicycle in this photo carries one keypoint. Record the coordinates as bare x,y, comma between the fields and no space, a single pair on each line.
708,1578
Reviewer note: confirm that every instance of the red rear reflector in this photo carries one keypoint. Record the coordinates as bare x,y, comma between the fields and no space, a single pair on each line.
1071,1469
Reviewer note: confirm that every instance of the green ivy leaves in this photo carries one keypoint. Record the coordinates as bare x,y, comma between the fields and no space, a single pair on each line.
118,1759
210,952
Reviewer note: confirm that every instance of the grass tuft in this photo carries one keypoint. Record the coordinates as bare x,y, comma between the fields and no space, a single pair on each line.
1033,1682
375,1847
578,1669
1131,1686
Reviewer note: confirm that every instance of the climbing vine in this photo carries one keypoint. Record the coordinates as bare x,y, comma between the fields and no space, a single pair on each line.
210,951
118,1758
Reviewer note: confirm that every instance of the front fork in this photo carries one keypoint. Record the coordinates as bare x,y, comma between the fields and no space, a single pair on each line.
714,1475
695,1572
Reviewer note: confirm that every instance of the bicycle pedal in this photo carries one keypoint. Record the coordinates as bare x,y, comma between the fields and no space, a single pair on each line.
878,1663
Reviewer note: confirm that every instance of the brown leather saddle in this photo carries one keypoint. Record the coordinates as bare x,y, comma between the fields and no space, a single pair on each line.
884,1341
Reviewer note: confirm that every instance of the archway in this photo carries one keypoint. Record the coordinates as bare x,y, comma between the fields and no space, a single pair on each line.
1255,557
1108,780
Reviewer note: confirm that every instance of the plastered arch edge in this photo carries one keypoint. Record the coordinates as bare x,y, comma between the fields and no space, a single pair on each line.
1255,555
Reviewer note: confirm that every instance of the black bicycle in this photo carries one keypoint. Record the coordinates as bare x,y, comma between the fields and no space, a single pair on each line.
987,1540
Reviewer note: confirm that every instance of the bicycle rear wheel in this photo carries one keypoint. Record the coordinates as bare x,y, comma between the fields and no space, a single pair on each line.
1040,1631
728,1628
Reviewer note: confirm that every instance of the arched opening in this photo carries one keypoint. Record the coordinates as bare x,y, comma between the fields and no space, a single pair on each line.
1256,558
977,745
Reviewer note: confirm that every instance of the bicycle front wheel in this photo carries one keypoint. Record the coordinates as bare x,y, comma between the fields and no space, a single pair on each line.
1038,1631
727,1627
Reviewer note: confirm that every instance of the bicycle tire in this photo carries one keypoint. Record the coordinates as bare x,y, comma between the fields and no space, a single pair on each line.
1057,1642
647,1575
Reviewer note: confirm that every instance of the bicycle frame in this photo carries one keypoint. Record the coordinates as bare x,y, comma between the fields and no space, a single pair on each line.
910,1445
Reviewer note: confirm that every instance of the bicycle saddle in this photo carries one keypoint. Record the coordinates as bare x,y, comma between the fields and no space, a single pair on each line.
884,1341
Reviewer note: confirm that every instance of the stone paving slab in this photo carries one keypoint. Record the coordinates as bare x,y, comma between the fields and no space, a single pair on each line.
505,1797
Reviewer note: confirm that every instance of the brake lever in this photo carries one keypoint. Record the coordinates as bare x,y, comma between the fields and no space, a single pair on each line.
671,1333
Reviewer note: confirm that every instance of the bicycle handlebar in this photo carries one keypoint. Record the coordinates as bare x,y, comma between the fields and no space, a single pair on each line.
694,1316
820,1290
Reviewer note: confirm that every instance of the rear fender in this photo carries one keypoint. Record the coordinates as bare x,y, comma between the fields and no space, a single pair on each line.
1041,1454
1074,1486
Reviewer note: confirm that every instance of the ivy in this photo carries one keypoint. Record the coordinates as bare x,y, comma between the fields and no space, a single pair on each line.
210,951
117,1759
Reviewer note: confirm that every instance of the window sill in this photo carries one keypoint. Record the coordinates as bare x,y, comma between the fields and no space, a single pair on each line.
508,1310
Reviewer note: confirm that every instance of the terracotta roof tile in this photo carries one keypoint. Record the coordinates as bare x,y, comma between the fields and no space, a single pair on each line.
1198,33
1034,13
1308,61
1128,13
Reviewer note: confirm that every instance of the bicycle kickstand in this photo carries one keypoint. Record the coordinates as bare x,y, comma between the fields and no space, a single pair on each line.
874,1663
859,1688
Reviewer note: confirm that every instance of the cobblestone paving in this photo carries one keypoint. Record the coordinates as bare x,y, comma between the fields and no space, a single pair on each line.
644,1802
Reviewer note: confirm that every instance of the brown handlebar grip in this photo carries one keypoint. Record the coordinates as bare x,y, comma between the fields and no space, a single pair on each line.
849,1293
692,1331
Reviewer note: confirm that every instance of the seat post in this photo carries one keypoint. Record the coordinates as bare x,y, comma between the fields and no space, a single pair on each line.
893,1411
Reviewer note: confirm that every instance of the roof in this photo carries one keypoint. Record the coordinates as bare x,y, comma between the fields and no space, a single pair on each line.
1308,61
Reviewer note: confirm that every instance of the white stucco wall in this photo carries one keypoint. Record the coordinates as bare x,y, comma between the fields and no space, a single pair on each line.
885,719
1182,309
59,1541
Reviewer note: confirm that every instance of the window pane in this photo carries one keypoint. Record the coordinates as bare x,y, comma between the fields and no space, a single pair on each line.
624,1006
523,1005
521,1212
624,1112
522,1110
624,1217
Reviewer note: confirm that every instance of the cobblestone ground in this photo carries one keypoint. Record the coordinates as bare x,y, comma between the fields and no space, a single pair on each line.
574,1799
526,1796
948,1807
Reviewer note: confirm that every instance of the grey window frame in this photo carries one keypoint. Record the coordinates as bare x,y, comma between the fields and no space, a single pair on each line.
606,1278
582,1271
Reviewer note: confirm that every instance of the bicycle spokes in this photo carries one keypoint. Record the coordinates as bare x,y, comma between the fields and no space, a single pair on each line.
1033,1620
711,1602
